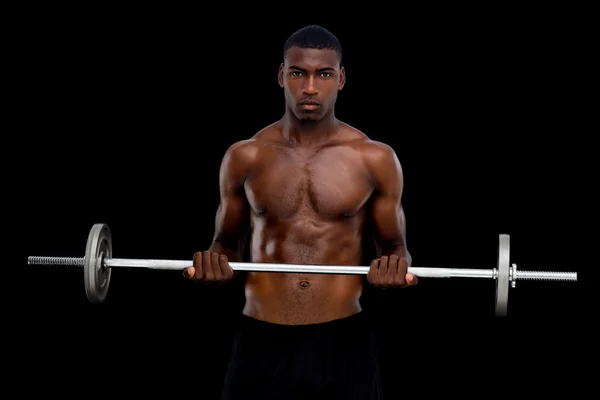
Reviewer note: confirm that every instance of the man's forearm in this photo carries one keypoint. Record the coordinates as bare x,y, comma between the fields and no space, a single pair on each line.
232,253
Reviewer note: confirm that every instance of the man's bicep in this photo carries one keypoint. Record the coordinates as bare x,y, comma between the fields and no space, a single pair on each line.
388,222
232,216
386,211
231,221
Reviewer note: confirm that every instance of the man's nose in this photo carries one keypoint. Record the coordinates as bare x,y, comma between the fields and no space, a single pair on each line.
309,88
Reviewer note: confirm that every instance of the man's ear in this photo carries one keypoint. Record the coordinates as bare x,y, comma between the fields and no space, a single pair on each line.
280,75
342,78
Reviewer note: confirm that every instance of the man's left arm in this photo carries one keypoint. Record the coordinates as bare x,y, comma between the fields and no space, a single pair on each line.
390,267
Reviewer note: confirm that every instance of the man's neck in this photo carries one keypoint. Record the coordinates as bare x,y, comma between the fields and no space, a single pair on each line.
308,132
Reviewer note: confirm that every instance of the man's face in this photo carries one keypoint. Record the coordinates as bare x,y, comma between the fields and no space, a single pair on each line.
311,80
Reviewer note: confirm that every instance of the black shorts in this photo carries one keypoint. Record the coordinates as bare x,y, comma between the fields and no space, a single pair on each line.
331,360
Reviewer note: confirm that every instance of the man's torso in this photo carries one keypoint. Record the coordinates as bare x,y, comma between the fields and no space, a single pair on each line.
308,206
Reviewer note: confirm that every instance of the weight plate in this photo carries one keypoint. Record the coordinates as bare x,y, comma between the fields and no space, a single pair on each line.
97,278
503,281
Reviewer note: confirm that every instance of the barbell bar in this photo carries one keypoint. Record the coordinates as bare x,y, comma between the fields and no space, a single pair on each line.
98,263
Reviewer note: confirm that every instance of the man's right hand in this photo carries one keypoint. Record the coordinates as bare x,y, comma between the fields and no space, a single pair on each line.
209,266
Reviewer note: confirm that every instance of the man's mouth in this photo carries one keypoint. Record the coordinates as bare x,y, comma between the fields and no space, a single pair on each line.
309,105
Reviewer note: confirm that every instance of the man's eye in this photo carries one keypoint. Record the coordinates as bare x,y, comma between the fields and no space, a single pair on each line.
326,74
296,73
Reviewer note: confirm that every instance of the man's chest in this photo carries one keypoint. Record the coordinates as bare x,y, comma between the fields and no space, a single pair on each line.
330,182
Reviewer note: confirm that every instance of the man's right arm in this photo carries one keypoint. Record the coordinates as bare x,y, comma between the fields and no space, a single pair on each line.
232,220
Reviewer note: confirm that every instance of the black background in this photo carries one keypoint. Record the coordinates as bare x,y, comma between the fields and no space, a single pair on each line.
133,110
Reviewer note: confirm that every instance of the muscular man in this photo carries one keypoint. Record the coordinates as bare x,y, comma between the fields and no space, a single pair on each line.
303,190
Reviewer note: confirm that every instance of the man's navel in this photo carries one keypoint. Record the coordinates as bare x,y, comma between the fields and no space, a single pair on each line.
304,284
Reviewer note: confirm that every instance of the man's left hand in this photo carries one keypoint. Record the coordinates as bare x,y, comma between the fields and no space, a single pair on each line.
390,272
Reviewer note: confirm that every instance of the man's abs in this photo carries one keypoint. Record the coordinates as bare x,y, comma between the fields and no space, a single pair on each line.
288,298
294,299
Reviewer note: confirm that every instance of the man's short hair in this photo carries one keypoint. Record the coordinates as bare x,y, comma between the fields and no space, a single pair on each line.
313,37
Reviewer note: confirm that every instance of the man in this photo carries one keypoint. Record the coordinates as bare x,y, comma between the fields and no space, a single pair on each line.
305,189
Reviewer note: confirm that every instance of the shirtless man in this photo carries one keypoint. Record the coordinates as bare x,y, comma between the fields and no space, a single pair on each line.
304,189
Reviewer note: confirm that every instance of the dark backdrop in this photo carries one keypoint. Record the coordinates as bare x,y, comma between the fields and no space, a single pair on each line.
132,114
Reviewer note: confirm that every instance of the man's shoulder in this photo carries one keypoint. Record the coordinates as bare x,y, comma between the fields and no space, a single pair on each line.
247,149
378,151
241,150
380,158
368,147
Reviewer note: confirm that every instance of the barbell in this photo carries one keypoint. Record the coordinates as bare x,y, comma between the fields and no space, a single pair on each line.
98,263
